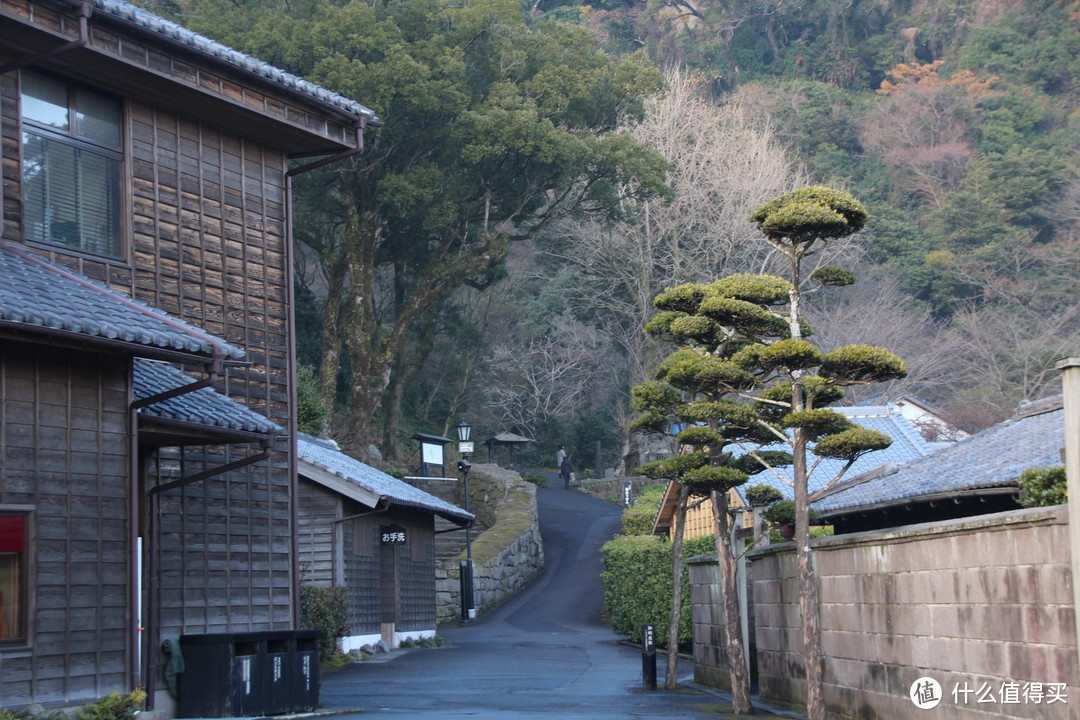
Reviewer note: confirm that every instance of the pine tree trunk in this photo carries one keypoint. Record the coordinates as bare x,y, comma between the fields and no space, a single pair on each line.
671,675
811,630
729,589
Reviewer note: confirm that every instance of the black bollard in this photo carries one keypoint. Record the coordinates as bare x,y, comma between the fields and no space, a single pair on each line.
468,596
648,657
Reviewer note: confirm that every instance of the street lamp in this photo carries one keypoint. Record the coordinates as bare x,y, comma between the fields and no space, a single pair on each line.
468,603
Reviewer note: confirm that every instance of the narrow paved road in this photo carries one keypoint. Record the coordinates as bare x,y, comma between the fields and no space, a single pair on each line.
544,654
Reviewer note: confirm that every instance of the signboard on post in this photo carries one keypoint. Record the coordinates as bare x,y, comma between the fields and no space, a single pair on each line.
648,657
432,453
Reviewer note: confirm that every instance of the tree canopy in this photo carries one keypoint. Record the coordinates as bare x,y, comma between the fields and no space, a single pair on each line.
493,129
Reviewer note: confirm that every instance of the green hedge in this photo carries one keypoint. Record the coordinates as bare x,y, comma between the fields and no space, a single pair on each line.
637,584
638,518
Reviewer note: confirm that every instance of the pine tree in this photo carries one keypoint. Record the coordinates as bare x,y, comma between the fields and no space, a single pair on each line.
743,378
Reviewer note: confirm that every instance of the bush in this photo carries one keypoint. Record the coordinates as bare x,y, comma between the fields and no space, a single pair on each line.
326,610
538,480
760,495
1041,487
638,518
781,512
637,583
114,706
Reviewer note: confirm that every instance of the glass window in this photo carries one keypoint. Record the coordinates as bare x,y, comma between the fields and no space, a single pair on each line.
12,568
71,165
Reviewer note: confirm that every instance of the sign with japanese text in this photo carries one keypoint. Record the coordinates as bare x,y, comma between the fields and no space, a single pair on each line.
392,535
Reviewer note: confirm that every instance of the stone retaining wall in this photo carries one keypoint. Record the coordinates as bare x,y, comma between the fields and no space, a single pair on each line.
507,554
611,488
979,604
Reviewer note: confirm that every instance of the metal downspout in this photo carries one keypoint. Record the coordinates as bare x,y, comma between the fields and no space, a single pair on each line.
150,549
359,125
294,471
84,10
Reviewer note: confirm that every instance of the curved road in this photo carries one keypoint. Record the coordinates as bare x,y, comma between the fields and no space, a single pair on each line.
544,654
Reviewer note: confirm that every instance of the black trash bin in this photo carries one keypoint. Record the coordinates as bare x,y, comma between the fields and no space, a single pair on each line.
251,673
277,670
306,671
222,675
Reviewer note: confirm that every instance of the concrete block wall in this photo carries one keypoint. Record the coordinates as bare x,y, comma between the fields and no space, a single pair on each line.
981,604
507,554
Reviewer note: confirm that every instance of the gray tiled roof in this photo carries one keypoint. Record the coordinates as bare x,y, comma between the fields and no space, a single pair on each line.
204,406
907,445
172,30
44,296
326,455
992,458
509,437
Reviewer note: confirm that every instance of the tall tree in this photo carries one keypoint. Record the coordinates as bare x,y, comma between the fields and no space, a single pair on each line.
695,398
797,225
753,380
493,128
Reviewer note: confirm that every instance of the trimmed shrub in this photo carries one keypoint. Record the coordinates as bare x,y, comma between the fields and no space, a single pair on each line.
638,518
326,610
114,706
637,583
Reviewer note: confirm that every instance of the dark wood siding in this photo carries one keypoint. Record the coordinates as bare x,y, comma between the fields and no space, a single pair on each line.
319,509
207,243
361,571
415,578
65,454
9,145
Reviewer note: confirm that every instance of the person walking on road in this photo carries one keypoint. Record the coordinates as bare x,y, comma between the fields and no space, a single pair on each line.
566,470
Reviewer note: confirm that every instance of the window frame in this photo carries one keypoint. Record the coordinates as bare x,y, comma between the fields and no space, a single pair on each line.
70,138
26,572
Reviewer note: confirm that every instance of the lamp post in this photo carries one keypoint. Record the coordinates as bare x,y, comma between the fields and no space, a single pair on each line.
465,447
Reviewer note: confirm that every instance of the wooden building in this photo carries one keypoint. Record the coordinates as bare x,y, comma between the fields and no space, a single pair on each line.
147,382
373,534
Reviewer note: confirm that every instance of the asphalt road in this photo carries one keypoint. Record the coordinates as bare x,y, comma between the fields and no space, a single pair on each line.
543,654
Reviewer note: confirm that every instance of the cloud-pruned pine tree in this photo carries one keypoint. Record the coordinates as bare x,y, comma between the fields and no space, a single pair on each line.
744,377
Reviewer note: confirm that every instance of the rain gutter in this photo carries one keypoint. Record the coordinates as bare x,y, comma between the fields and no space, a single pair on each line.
85,8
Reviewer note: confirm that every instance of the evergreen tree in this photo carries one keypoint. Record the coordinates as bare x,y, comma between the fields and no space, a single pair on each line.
744,378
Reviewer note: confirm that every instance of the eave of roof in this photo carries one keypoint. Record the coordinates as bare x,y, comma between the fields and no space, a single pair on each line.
508,438
175,32
321,461
988,462
199,412
40,298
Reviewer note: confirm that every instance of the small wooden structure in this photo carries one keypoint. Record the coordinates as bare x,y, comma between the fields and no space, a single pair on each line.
506,444
374,535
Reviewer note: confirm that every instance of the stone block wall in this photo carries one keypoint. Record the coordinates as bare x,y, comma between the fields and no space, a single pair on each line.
611,488
507,554
981,605
707,618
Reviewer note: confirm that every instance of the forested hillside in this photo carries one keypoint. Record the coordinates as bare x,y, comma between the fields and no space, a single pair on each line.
493,254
